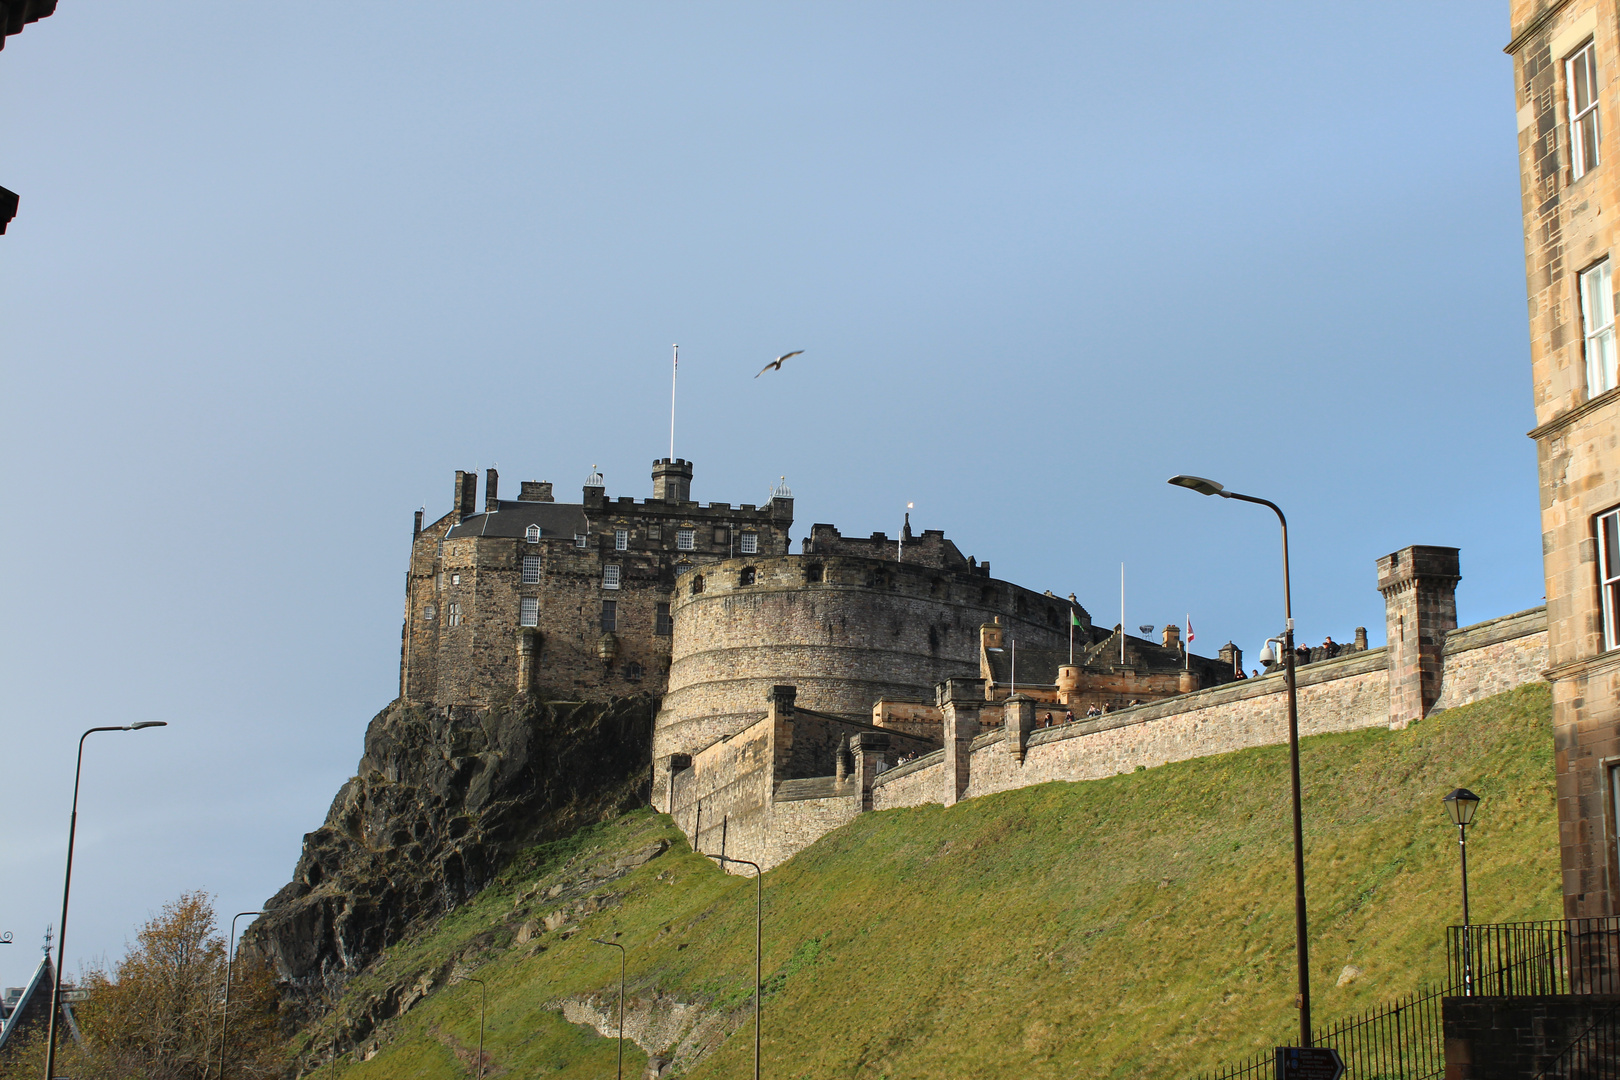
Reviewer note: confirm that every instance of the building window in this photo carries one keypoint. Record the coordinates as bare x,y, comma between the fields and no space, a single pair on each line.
1597,320
665,625
697,584
455,614
529,611
610,577
633,672
429,611
1609,570
579,540
531,569
750,543
812,573
722,535
684,539
610,616
532,534
455,579
746,577
621,539
1581,74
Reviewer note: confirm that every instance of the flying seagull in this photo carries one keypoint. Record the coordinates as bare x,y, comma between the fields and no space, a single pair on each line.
776,365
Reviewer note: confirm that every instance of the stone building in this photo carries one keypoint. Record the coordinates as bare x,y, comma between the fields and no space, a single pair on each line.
1566,63
569,599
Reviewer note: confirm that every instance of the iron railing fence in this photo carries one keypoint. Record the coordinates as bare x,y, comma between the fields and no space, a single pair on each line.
1557,956
1594,1054
1401,1041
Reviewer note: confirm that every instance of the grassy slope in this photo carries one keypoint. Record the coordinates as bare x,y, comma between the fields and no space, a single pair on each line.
1135,926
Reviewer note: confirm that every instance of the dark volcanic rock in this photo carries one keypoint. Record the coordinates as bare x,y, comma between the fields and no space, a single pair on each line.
442,799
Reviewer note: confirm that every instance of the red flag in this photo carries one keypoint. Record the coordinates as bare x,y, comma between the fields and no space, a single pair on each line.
1189,630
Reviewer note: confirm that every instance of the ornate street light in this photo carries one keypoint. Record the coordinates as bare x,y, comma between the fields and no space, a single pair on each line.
1301,943
1460,807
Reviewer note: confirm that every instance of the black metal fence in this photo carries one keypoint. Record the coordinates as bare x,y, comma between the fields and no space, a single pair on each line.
1562,956
1594,1054
1402,1041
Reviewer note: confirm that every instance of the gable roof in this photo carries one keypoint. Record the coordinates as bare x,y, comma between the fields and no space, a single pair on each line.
516,515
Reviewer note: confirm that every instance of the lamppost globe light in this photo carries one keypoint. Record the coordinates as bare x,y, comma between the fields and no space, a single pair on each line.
139,724
1460,805
1198,484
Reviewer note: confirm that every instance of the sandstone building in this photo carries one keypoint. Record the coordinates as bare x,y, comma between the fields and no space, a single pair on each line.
1566,60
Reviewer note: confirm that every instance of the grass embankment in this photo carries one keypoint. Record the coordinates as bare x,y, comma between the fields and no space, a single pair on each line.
1139,926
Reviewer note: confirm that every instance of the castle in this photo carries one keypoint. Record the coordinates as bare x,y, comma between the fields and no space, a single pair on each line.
706,606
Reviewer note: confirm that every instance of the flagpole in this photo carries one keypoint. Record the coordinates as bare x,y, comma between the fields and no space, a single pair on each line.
1186,645
674,367
1013,687
1121,614
1071,637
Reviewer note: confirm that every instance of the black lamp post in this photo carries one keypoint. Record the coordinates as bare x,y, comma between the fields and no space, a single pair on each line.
483,1001
1301,944
759,937
1460,807
225,1022
616,945
67,882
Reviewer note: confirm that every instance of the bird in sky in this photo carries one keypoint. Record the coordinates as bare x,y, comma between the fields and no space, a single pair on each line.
776,365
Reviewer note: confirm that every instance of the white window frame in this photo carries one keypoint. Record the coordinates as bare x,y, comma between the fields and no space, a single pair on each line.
528,611
621,539
1579,66
455,579
429,612
685,539
749,544
1596,285
531,570
610,577
455,614
579,540
532,534
1608,543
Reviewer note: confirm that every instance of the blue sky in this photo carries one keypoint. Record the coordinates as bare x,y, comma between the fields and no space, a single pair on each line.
276,276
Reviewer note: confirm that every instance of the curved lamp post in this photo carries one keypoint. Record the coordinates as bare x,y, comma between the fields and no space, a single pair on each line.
225,1022
759,937
67,882
1460,807
616,945
483,1001
1301,944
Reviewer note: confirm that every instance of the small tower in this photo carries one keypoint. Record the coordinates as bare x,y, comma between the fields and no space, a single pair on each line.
672,480
1419,584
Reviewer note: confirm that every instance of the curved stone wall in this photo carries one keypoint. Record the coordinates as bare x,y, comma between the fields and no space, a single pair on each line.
865,630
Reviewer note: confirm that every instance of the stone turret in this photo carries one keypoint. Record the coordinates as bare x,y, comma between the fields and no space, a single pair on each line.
672,480
1419,584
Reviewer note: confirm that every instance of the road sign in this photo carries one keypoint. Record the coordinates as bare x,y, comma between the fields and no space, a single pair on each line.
1309,1063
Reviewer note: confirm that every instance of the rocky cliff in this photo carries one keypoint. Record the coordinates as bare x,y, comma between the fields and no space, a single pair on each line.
442,798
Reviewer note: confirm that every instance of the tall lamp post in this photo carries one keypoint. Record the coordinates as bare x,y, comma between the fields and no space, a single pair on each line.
759,937
483,1002
67,883
616,945
1301,944
225,1023
1460,807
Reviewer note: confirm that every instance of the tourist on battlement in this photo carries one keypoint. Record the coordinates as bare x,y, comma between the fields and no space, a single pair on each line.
1329,648
1068,716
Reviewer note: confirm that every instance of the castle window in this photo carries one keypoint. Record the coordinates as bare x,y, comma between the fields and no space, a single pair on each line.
529,611
812,573
722,535
1608,528
532,534
455,579
579,540
621,539
633,672
428,612
685,539
1581,75
455,614
1597,319
610,616
750,543
697,584
746,577
610,577
531,569
664,626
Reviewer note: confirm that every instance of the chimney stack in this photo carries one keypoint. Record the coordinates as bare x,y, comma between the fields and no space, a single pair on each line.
491,502
466,496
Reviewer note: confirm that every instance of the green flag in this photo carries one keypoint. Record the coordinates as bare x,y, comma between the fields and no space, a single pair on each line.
1074,620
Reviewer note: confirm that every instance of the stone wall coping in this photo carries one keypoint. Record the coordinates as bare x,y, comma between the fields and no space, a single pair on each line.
909,767
1494,631
811,787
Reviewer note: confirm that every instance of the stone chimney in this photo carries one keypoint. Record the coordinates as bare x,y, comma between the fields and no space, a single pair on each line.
1419,584
418,530
464,504
491,502
672,480
1361,639
1172,637
959,702
535,491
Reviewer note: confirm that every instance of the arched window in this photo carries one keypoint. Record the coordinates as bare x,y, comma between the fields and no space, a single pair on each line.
532,534
746,577
633,672
697,584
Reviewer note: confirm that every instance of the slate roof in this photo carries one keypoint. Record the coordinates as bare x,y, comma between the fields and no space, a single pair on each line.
1101,654
555,519
34,1006
15,14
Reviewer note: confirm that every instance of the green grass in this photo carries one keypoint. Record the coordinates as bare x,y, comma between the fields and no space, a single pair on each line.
1139,926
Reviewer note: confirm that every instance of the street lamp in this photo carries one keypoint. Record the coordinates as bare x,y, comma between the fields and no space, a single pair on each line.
225,1024
616,945
1301,945
483,1001
67,882
759,955
1460,807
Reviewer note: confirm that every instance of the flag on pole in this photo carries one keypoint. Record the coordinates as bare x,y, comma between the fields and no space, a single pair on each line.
1189,630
